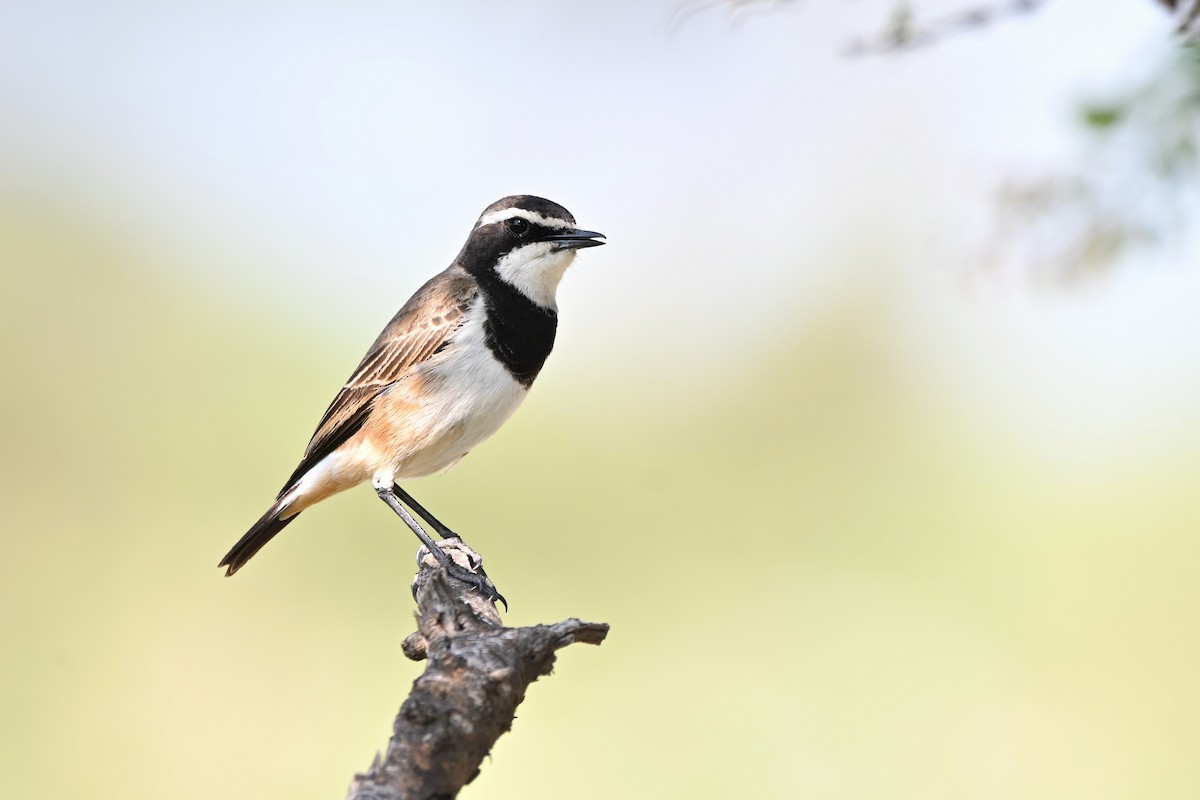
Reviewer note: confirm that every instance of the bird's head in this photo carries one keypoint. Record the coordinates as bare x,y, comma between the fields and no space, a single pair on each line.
528,242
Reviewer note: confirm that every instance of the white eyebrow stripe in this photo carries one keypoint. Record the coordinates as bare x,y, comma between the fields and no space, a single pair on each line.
532,216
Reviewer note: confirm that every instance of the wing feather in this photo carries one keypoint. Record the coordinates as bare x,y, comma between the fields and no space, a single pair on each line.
420,328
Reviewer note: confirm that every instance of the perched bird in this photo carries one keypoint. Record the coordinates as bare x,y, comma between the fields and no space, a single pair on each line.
446,372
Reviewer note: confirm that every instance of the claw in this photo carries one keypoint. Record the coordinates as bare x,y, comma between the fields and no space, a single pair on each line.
500,597
479,581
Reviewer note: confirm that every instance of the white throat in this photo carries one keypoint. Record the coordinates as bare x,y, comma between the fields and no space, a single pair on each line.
535,270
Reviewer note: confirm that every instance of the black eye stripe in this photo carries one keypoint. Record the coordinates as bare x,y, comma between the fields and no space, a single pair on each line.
518,225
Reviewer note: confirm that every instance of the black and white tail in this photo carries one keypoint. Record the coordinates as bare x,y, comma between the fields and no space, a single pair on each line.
259,534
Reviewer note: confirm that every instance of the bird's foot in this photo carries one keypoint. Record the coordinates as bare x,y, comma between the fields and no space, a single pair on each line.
480,582
463,564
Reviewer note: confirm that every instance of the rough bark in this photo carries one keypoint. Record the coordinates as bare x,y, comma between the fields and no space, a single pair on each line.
476,676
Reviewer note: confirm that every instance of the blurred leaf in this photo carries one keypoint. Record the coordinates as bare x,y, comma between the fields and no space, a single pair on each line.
1098,117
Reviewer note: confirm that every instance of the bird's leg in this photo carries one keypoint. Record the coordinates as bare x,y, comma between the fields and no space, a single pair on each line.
424,514
439,526
394,502
478,579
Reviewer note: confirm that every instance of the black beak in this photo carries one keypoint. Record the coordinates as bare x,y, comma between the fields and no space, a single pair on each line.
575,239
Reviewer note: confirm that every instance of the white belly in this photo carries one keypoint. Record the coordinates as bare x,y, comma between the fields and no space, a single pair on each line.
466,395
425,423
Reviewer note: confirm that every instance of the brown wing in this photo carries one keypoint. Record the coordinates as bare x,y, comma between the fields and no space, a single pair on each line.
418,330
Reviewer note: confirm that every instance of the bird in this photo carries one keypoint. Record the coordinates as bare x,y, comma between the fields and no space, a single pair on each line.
445,373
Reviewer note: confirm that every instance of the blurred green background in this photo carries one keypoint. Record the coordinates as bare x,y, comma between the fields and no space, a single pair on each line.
867,521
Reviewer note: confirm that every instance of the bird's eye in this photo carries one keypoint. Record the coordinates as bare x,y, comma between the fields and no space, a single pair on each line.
518,225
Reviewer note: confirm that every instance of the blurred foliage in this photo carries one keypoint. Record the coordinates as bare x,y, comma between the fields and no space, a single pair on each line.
1137,183
1187,13
822,580
905,28
736,11
1098,117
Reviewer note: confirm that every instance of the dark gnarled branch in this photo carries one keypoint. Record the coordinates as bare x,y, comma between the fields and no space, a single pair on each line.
476,676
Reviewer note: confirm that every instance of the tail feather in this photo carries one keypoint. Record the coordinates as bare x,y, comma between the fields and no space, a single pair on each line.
259,534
